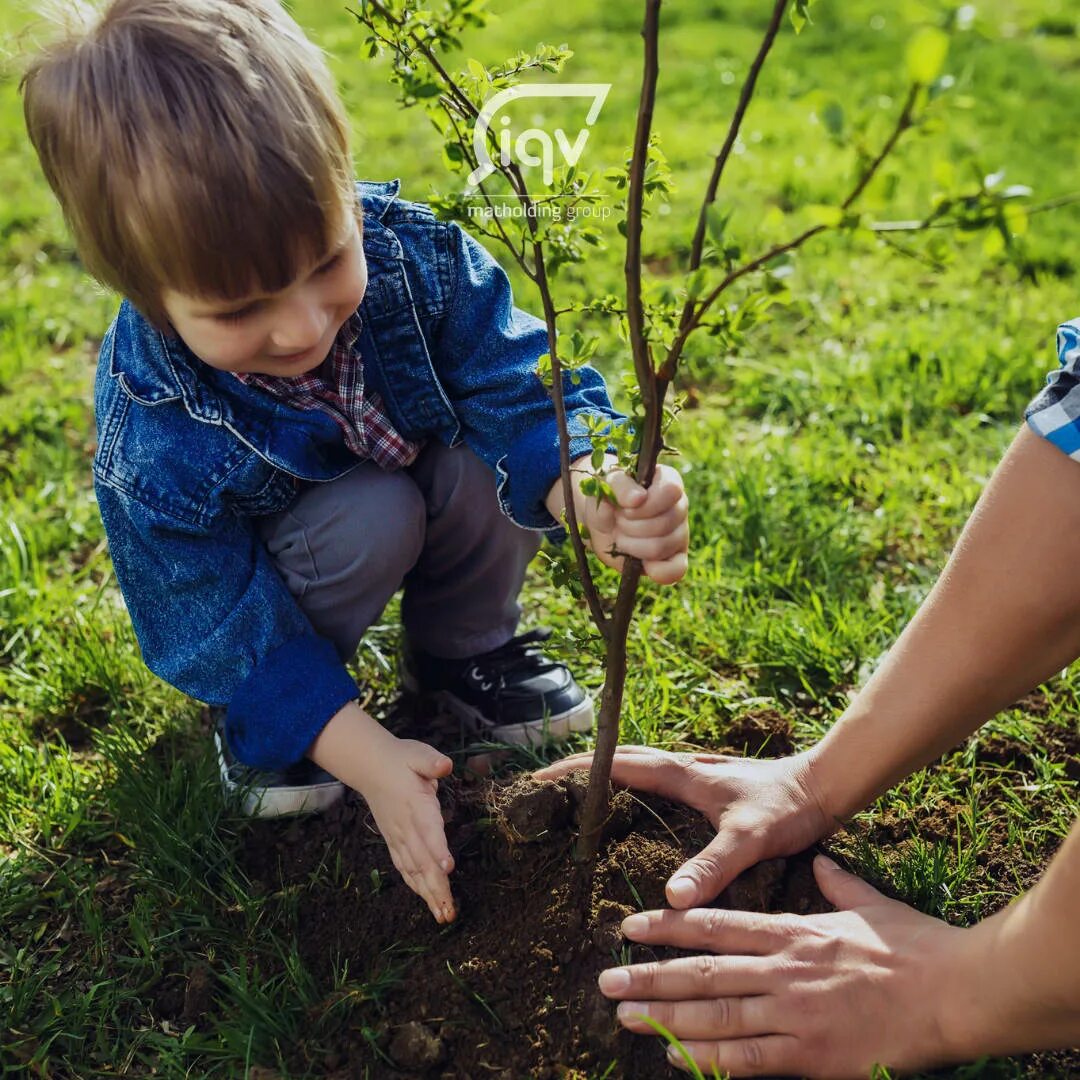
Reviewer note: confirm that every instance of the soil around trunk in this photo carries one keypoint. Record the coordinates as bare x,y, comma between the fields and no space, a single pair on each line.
510,989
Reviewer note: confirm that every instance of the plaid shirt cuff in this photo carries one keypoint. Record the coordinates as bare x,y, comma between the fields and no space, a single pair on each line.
1055,412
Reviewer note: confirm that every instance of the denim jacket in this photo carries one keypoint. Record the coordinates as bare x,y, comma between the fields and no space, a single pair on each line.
187,456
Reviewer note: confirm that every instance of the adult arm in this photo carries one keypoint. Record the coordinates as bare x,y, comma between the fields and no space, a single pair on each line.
1003,616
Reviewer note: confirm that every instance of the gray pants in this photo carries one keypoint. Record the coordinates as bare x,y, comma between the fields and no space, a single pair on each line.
344,548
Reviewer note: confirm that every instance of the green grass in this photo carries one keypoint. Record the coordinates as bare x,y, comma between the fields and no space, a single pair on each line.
831,460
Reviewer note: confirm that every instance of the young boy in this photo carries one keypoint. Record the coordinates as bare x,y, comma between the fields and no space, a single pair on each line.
313,394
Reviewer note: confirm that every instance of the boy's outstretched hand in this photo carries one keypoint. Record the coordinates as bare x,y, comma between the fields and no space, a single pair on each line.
404,801
399,780
649,524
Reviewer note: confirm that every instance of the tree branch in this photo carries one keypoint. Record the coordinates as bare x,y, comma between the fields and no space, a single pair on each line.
903,122
745,96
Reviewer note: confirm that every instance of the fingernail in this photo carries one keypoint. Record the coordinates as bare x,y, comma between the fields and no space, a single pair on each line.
614,981
445,864
634,924
828,863
629,1010
682,889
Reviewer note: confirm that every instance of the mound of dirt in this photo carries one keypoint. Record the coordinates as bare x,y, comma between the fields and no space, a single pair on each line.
509,990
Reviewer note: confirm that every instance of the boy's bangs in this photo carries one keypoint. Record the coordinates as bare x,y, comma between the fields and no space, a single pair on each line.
227,245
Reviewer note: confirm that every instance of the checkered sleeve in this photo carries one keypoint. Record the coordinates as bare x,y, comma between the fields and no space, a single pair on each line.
1055,412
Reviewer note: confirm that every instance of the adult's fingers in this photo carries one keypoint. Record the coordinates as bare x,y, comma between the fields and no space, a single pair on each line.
765,1055
707,1018
687,977
719,930
715,867
574,762
660,771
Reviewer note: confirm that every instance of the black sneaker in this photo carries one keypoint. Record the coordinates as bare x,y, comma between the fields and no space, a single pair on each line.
302,788
513,694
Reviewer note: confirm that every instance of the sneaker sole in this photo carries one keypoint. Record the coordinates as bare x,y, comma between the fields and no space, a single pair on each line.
278,801
557,728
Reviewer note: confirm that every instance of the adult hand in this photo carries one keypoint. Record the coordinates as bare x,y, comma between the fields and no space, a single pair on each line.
761,808
873,983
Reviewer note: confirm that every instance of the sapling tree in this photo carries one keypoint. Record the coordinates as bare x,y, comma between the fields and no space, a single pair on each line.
723,289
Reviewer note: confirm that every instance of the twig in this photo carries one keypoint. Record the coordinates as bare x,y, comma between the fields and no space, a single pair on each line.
931,223
903,122
733,130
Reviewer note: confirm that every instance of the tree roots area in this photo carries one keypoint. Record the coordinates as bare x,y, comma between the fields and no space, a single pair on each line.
509,990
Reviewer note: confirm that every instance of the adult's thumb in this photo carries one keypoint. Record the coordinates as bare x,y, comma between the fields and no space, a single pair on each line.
702,878
841,889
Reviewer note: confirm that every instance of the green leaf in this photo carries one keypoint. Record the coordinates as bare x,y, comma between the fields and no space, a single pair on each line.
829,216
926,53
477,70
716,220
993,243
695,283
800,14
832,116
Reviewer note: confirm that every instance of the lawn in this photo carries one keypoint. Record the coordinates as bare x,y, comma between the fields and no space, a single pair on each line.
831,460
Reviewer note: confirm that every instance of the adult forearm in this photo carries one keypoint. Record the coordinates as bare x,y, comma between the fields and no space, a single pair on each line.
1003,616
1021,968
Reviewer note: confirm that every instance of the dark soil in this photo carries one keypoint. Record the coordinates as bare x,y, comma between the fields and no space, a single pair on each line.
509,990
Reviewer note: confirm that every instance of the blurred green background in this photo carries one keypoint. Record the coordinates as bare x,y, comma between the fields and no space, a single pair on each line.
831,459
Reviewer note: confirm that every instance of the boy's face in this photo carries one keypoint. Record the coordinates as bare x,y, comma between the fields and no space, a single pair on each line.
286,333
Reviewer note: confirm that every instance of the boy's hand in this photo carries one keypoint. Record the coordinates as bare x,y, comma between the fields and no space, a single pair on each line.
399,780
647,524
403,797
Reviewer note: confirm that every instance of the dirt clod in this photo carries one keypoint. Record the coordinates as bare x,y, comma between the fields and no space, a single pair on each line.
415,1046
533,808
198,994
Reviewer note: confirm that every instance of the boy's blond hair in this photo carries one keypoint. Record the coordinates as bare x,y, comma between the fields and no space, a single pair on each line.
194,145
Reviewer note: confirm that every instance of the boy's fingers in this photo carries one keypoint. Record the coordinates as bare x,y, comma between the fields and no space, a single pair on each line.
431,834
660,525
667,571
428,882
602,517
430,764
664,494
654,548
628,492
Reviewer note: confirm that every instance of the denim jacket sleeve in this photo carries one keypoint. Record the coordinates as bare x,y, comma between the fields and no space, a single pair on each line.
486,353
215,620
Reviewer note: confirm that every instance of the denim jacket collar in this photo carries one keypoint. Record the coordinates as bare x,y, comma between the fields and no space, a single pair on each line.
164,368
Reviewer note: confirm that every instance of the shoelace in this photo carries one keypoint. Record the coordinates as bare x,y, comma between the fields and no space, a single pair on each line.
519,655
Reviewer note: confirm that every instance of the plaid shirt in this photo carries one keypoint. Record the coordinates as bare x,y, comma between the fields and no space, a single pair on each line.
336,387
1055,412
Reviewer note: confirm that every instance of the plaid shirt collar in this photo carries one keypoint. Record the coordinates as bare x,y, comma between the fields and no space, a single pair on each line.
336,387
